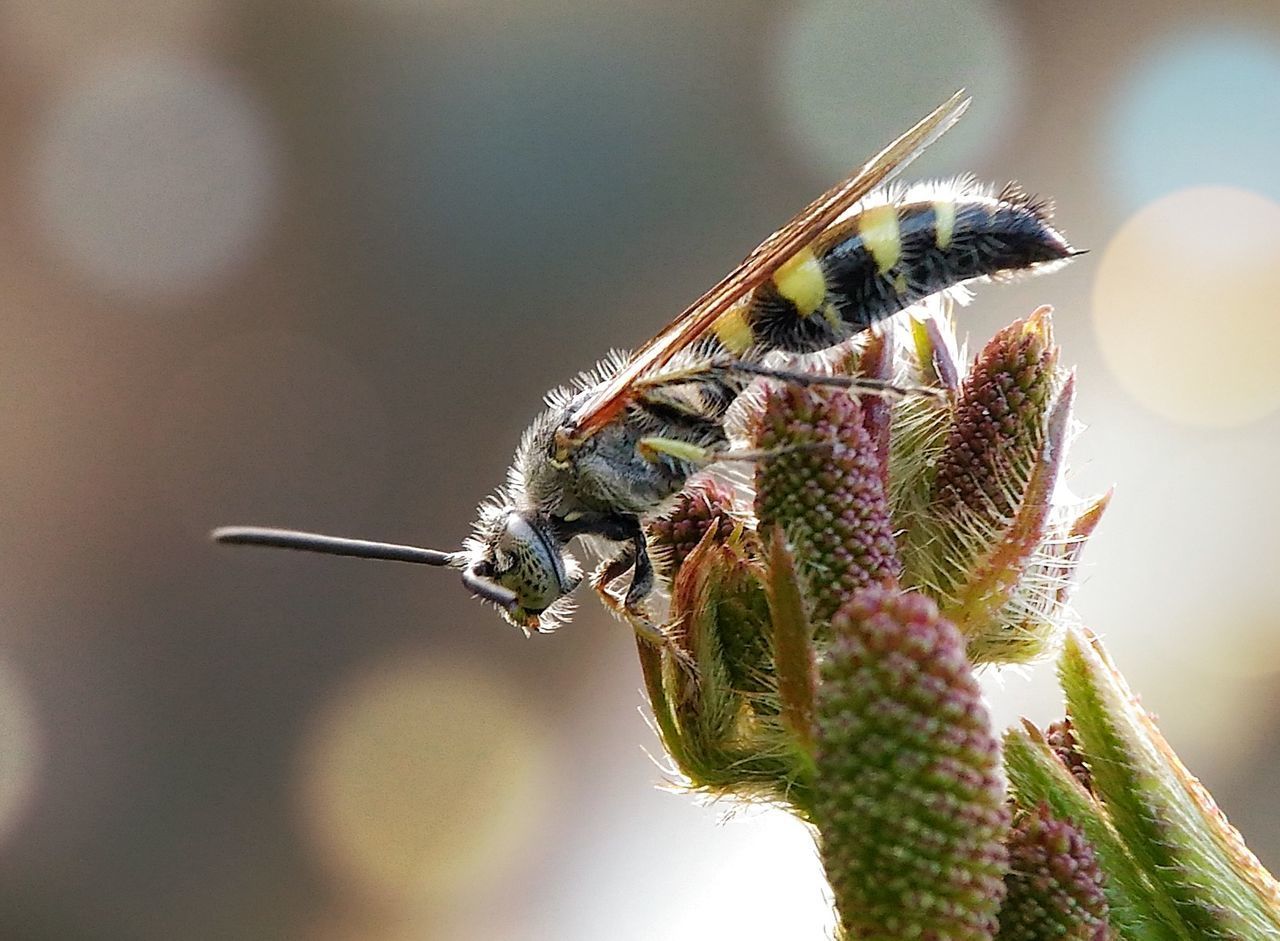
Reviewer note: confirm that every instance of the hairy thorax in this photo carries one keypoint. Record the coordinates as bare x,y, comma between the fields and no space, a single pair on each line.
606,476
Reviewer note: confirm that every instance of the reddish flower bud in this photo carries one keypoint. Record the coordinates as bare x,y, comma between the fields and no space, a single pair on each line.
823,485
1054,883
908,792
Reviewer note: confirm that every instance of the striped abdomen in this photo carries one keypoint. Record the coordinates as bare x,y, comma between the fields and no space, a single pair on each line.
880,260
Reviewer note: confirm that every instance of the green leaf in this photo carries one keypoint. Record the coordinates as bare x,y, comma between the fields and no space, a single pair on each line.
792,642
1037,777
1169,822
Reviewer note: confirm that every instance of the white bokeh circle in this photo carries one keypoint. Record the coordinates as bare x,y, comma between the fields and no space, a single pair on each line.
154,175
849,77
1184,306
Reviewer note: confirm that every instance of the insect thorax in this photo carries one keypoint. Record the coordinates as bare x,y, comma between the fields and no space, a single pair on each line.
606,476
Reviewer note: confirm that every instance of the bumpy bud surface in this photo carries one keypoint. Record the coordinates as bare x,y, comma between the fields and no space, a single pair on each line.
703,505
1054,883
908,792
1062,739
999,423
823,483
993,541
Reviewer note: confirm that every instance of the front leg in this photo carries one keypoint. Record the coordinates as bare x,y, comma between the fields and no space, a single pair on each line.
641,571
609,571
628,610
634,555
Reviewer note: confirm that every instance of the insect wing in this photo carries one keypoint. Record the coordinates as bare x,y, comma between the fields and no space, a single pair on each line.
612,396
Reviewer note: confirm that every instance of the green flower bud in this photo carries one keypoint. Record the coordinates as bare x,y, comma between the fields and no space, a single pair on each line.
711,684
999,425
823,484
1170,824
720,618
908,791
1137,911
993,541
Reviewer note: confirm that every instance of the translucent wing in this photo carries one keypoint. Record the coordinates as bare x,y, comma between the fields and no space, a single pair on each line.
612,396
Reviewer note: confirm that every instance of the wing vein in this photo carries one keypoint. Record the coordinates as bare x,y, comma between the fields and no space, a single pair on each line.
612,396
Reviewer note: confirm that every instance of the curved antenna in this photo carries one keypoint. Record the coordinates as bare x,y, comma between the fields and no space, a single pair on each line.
489,590
330,545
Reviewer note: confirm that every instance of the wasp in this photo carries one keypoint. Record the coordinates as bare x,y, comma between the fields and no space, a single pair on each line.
614,447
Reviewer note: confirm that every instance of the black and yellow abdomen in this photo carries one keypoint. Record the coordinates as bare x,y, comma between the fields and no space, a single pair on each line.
882,259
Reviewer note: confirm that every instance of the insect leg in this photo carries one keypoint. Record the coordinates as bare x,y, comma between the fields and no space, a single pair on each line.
650,448
654,446
609,571
641,572
628,609
633,555
864,385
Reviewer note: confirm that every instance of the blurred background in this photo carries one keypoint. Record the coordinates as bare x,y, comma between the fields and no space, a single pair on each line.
313,263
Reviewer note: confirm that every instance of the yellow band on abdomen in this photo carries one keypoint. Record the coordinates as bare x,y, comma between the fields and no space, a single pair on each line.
733,331
944,214
801,281
878,227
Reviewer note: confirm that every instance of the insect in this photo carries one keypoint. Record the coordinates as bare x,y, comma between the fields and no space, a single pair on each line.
614,447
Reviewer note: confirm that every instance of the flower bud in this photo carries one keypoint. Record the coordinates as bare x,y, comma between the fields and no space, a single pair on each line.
999,424
711,684
823,484
994,541
1061,738
908,791
704,505
1168,821
1054,883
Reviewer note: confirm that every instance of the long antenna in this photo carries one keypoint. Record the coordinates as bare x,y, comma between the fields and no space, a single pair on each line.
489,590
330,545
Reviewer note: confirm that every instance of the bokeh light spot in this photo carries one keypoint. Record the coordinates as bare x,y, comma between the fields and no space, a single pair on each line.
154,176
20,748
1199,110
423,780
1184,306
849,77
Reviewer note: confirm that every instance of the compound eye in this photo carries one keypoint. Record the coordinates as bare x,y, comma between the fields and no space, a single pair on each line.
528,563
517,537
